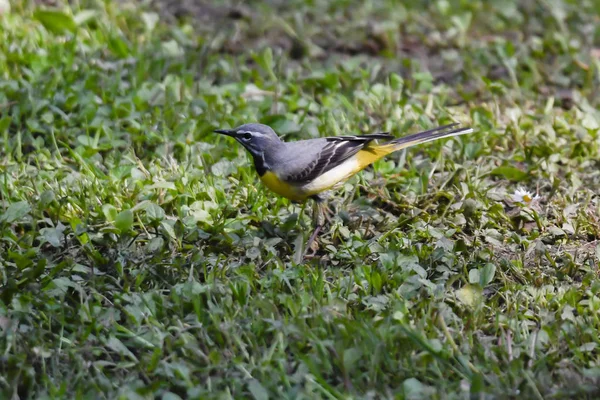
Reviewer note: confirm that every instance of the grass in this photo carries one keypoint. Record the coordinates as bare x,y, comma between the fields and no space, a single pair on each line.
141,258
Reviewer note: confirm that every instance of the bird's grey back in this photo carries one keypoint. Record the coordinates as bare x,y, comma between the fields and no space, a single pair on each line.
296,156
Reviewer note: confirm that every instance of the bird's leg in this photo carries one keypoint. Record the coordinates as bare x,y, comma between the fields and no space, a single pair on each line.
312,239
327,211
318,220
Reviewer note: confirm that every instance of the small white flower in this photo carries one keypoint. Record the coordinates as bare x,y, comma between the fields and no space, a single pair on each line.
524,196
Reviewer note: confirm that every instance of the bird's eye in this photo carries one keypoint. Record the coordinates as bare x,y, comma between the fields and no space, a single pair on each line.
247,136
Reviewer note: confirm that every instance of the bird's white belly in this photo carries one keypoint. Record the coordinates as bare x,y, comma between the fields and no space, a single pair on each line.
334,176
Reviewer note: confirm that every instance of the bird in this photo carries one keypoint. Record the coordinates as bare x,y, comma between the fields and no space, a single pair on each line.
305,169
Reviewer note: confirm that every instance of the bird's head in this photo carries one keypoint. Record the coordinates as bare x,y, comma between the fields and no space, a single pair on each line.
256,138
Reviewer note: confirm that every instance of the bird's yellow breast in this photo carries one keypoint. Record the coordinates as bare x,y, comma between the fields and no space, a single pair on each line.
272,181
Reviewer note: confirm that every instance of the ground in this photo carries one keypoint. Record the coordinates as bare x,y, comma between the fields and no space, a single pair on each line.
140,256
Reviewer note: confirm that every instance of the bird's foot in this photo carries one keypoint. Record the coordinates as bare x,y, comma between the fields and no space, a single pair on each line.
322,216
311,240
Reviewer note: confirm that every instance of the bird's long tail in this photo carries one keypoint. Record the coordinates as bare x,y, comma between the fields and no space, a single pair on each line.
372,153
428,136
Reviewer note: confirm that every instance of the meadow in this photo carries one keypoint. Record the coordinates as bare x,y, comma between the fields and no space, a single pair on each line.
141,258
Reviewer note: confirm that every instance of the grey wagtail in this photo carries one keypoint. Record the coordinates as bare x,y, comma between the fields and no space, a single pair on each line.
303,169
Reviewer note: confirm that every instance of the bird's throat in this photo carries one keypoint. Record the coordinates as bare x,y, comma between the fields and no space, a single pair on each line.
260,164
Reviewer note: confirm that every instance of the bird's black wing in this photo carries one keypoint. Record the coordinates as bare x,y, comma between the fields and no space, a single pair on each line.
336,150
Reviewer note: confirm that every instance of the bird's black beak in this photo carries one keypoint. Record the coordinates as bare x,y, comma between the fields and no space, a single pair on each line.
228,132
